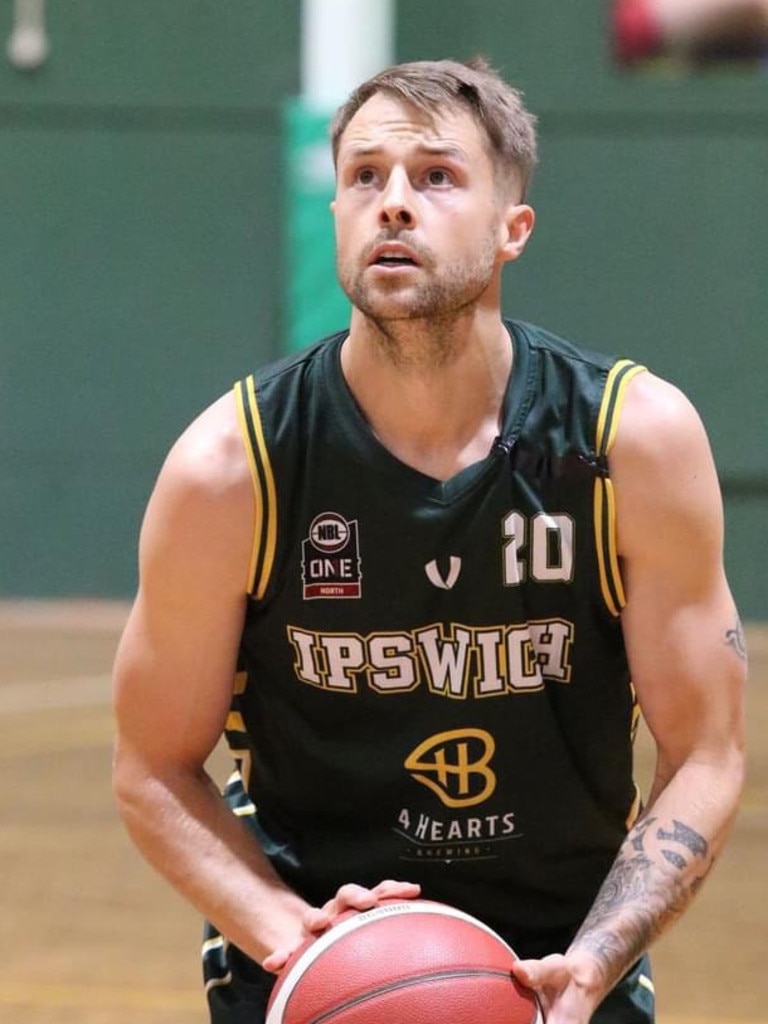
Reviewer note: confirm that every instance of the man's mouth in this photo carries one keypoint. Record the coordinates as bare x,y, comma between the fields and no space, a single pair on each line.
393,256
394,261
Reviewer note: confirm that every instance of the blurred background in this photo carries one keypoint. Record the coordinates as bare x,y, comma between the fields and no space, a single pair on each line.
164,229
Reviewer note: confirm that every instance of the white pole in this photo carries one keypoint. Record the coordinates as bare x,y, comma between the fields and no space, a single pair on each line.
343,42
28,44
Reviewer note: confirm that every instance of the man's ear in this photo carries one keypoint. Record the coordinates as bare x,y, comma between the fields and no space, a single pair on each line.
517,226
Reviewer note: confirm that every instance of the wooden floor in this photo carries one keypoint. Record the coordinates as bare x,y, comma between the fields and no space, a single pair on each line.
89,935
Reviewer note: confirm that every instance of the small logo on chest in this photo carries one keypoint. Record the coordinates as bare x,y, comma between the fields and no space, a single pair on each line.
330,558
437,579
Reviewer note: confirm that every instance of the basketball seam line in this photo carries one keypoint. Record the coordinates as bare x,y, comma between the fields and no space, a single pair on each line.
401,983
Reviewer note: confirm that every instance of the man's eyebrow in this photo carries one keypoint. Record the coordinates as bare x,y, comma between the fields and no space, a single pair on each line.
445,149
437,149
356,152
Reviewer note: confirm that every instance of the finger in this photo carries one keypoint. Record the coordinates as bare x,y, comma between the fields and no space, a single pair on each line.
317,919
349,897
549,973
392,889
525,971
276,960
353,896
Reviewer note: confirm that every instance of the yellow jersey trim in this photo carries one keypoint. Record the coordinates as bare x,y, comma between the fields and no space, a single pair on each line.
235,722
611,584
619,376
635,809
258,500
265,493
599,516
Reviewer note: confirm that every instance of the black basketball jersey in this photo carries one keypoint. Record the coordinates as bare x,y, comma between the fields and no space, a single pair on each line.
433,683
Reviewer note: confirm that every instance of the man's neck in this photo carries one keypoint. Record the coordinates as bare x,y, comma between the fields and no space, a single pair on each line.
433,399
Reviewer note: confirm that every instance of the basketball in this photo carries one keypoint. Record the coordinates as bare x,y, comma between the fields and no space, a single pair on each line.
404,962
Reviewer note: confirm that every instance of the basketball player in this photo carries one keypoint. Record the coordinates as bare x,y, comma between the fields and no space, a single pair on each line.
425,574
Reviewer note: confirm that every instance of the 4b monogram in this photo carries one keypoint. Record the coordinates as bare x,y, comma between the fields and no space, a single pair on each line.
456,766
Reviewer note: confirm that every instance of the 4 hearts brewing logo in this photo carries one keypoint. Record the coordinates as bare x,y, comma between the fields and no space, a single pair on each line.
330,558
458,767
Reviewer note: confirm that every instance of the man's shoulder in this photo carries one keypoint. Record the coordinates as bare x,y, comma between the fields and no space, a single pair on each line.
209,456
657,417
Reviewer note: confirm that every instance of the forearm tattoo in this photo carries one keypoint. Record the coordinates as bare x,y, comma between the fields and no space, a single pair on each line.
735,639
639,897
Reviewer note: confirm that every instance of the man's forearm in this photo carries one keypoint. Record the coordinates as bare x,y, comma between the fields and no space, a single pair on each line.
652,881
659,868
186,832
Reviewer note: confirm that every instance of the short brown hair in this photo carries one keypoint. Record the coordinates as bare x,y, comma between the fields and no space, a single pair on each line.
432,86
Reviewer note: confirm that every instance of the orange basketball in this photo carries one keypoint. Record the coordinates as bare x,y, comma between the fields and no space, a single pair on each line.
404,962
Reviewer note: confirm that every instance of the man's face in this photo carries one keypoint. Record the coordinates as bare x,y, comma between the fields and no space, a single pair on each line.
419,227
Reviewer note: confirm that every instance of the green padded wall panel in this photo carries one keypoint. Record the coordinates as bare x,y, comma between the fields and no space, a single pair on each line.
140,238
157,56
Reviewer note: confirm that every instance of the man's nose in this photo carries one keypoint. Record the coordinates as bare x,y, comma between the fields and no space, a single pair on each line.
397,205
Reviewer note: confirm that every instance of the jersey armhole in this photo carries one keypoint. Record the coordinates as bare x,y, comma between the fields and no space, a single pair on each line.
611,584
264,492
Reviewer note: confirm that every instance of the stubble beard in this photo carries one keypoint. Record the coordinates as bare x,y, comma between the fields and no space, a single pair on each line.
419,325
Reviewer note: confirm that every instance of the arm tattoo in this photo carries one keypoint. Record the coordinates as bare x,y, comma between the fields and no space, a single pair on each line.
637,835
735,638
674,858
685,836
639,897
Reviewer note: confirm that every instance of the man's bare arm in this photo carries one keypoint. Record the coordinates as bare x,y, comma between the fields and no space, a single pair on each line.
173,676
688,664
173,679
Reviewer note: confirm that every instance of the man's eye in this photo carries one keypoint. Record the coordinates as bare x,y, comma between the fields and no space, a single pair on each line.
364,176
438,176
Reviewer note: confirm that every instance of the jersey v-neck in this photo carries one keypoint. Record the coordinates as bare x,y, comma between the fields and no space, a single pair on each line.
397,474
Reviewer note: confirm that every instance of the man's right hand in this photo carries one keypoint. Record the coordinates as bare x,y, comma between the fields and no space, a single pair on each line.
348,897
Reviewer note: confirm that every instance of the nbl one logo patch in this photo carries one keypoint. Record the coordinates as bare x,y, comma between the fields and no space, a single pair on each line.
330,558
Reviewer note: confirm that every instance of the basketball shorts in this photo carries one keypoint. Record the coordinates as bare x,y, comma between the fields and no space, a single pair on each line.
237,988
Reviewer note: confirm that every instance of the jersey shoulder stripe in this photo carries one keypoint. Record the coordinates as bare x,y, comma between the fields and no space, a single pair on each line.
619,376
264,490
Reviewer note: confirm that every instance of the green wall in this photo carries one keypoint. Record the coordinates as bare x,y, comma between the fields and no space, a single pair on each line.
139,221
141,239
